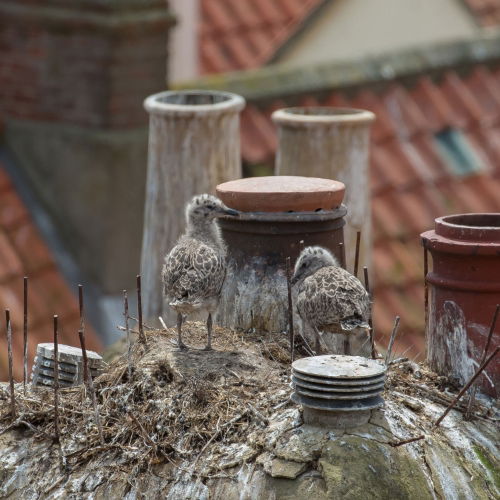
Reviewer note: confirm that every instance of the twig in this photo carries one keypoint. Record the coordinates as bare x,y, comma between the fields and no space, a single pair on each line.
127,329
307,347
8,326
467,385
391,341
370,322
25,334
259,415
215,434
30,426
356,255
360,350
56,381
483,358
90,383
395,444
290,309
142,337
145,435
162,322
342,255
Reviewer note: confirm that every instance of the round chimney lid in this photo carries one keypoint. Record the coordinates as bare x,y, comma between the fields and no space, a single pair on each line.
281,193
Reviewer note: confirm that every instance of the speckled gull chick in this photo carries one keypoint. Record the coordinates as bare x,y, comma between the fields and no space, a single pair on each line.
195,268
330,299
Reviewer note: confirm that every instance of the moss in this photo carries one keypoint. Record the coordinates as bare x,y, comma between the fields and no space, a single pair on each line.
353,465
493,472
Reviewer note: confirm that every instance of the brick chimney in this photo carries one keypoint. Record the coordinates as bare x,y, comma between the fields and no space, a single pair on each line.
184,62
73,76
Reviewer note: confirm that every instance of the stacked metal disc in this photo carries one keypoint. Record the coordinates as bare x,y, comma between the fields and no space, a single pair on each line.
335,383
70,365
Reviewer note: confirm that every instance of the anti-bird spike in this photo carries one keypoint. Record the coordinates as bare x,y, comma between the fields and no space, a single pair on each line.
330,299
195,268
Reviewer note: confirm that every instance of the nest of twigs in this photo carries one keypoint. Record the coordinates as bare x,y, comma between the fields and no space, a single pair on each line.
165,405
408,378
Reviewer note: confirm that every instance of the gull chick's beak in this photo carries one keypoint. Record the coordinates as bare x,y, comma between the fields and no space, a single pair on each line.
229,211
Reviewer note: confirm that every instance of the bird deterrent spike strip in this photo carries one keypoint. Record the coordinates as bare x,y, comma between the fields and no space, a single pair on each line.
8,326
391,341
290,308
127,328
81,334
367,283
466,386
483,358
342,255
356,255
80,304
370,322
142,337
25,333
56,381
426,287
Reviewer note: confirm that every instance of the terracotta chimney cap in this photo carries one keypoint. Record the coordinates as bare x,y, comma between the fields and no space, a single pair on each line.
281,194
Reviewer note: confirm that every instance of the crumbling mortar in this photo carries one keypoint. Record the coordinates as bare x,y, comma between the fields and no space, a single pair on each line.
384,429
380,426
368,438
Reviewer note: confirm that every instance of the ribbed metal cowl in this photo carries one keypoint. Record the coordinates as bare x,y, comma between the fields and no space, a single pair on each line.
338,391
70,365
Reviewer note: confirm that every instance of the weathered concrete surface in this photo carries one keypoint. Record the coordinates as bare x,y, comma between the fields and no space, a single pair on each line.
287,460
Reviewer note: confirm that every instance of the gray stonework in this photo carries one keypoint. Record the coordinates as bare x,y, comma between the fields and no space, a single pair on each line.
92,183
73,76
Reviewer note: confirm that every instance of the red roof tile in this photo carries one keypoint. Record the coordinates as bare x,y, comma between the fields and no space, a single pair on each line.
404,112
24,253
243,34
410,180
486,12
434,104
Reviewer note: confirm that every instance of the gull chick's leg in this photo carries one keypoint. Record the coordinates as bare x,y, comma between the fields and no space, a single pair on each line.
180,344
208,347
347,345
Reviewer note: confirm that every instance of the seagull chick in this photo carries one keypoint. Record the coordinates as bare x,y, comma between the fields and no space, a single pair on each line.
330,299
195,268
